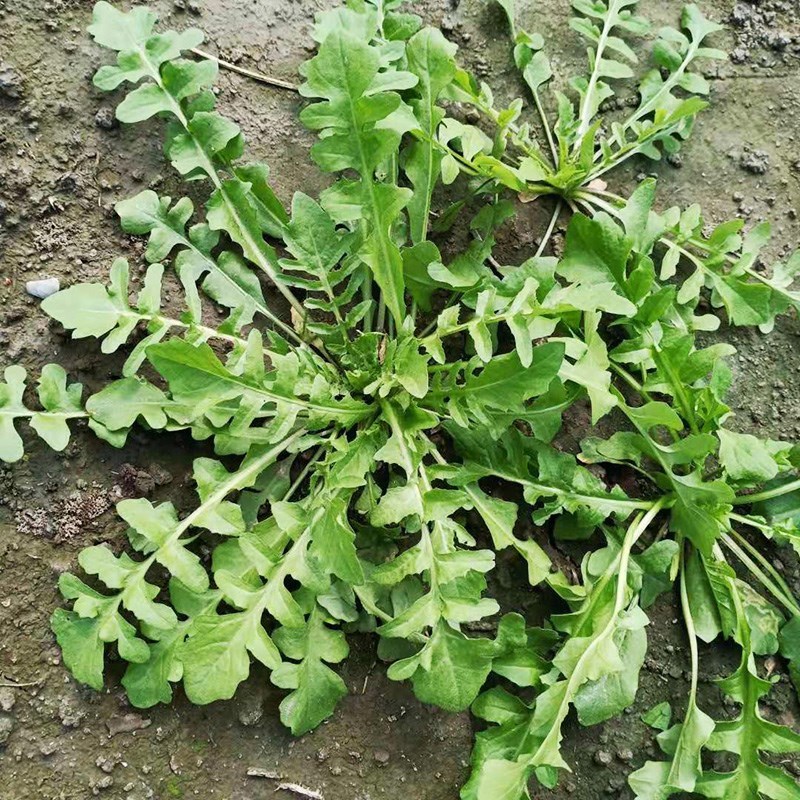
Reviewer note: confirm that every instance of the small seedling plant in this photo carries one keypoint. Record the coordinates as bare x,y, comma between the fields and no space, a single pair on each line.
388,420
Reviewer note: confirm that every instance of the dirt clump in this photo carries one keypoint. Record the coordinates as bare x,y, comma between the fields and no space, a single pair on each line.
765,31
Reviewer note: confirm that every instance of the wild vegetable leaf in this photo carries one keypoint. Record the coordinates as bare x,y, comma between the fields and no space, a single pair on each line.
150,682
346,75
659,716
60,402
431,60
316,687
502,385
450,670
225,279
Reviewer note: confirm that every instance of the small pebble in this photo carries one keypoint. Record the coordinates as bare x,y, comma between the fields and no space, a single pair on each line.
106,119
7,698
48,748
603,758
754,161
6,724
10,82
42,288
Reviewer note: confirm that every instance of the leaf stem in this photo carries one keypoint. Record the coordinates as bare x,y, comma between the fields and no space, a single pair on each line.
271,269
776,576
434,322
591,198
434,142
547,130
691,632
588,96
550,228
633,534
380,322
775,589
619,504
304,472
767,494
170,322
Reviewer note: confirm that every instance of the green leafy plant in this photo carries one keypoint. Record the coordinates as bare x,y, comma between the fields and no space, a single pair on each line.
363,407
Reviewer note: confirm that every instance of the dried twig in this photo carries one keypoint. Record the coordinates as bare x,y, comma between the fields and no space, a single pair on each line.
257,76
300,790
367,677
17,685
257,772
295,788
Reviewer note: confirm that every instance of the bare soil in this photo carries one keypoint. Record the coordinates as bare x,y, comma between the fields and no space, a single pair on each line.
63,164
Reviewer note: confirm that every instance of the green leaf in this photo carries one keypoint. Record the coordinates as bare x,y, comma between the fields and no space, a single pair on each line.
658,717
431,60
81,645
207,134
316,688
746,303
199,380
500,517
521,652
118,30
587,366
658,780
86,309
708,599
121,403
597,701
746,458
345,74
149,683
538,71
60,403
416,263
698,508
501,385
216,654
450,670
57,399
333,540
227,280
233,208
271,214
596,251
748,734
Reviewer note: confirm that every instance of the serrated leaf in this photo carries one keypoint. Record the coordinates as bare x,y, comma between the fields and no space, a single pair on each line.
316,688
450,670
216,655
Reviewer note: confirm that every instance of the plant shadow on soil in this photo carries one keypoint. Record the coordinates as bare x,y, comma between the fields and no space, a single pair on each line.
63,163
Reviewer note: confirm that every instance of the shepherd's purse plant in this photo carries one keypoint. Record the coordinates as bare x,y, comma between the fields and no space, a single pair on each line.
367,394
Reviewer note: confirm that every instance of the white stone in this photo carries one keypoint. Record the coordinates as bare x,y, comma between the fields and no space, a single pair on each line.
43,288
